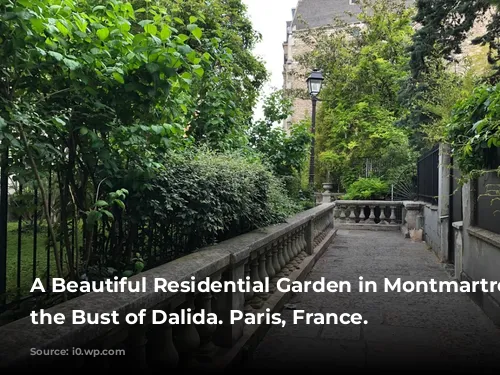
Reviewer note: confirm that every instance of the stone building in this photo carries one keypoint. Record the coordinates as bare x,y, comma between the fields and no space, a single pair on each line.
308,14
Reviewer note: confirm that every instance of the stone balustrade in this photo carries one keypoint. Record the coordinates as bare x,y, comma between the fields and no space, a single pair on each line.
368,214
285,250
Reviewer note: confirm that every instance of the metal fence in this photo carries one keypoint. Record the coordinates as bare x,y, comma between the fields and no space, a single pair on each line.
428,177
27,251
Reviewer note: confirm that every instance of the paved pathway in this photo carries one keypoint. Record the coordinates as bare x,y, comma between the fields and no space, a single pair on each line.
404,330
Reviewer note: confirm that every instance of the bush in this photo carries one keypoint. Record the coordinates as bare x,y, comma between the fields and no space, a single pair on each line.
366,189
205,197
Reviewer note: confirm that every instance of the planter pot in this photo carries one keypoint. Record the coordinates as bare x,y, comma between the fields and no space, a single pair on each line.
328,186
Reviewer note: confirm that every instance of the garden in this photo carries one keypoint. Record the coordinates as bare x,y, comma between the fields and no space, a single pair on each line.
127,139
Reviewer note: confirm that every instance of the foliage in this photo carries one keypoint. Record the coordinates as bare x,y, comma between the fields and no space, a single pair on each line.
284,152
444,27
443,88
366,189
111,98
232,77
209,197
474,132
364,69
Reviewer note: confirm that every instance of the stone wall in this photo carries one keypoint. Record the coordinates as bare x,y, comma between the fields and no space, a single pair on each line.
295,76
432,228
286,250
480,255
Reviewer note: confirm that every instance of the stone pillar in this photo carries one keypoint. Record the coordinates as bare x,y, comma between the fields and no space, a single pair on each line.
310,237
457,233
410,226
444,200
228,334
469,199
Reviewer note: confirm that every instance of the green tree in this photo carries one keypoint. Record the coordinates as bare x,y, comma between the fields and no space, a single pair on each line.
364,69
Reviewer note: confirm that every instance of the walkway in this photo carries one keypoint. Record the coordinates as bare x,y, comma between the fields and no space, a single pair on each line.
404,330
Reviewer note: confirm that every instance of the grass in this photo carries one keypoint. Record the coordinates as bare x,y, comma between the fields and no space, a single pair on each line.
25,267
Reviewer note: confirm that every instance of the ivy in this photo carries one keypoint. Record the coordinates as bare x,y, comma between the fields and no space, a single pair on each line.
474,131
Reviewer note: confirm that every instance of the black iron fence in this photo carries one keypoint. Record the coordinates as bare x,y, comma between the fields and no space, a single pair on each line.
428,177
120,246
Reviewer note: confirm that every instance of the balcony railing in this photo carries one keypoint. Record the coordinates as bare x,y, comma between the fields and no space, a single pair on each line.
368,213
285,250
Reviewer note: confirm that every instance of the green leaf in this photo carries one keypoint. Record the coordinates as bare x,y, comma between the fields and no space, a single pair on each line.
83,130
92,218
63,29
178,20
3,123
157,129
118,77
152,67
37,25
56,55
199,71
101,203
165,33
71,64
108,214
151,29
125,27
127,273
119,203
103,33
197,32
193,19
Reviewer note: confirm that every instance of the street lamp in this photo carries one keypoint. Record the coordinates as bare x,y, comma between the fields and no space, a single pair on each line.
314,83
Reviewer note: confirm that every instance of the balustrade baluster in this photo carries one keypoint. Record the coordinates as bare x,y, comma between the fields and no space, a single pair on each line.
383,218
371,218
352,215
136,346
256,301
270,268
249,294
281,259
186,337
287,255
207,347
290,266
263,272
343,217
162,346
303,244
165,352
296,249
276,262
393,215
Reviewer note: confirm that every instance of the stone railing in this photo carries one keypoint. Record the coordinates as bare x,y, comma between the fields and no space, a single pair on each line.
286,250
368,214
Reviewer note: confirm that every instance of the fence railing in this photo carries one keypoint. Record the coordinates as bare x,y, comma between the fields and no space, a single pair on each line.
383,213
264,255
428,177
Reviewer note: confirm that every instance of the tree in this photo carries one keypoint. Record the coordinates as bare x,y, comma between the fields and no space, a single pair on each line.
284,153
233,77
95,94
364,68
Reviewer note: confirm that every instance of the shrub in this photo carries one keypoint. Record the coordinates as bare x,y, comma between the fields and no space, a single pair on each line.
366,189
201,198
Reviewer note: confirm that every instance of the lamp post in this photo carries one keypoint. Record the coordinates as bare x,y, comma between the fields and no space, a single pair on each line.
314,83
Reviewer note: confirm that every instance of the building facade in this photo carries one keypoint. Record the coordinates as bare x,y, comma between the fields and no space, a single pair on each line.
308,14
